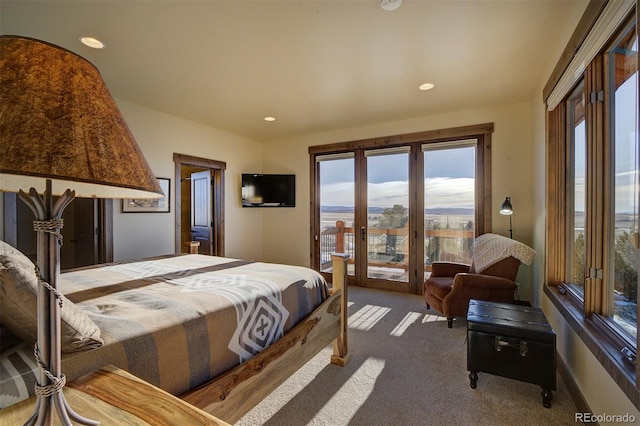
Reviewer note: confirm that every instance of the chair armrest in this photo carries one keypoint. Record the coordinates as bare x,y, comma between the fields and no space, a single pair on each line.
448,269
482,281
476,286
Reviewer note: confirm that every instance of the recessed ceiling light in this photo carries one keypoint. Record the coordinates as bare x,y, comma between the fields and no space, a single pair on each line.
92,42
390,4
269,119
426,86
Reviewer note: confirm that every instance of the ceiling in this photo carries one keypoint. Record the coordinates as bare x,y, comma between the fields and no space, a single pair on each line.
313,65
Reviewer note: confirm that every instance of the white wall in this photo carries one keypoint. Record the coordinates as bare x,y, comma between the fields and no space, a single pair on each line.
511,169
159,137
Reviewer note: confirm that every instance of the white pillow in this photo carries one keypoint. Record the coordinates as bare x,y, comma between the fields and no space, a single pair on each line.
18,301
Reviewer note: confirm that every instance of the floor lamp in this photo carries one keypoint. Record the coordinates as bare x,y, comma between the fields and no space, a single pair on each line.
507,210
60,128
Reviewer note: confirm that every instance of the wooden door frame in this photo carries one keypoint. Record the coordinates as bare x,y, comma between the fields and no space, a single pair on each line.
217,181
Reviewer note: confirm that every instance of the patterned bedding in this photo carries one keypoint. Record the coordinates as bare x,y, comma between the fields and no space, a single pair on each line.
176,322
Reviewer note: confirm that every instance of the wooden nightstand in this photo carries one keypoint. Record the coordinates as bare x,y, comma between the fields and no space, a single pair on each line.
115,397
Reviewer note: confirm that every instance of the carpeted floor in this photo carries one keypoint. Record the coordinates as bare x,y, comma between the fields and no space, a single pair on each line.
407,368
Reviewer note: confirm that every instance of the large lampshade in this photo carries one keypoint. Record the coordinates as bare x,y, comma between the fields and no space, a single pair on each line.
58,121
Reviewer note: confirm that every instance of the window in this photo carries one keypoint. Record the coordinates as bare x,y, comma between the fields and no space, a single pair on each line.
593,203
576,177
622,243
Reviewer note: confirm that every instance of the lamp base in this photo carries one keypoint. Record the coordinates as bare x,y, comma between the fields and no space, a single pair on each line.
44,407
510,228
48,351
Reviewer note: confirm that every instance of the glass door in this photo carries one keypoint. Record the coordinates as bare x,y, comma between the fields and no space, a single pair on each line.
449,202
337,209
386,231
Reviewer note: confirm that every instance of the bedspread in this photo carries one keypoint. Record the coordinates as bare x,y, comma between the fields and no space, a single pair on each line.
176,322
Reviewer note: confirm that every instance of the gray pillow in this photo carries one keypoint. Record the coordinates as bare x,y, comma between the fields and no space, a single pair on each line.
18,301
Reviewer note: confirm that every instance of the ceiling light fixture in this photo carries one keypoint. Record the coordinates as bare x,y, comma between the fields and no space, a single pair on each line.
390,4
269,119
92,42
426,86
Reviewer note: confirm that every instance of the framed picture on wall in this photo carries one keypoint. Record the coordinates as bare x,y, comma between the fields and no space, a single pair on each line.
150,205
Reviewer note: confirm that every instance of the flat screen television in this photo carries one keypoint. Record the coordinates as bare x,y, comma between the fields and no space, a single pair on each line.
268,190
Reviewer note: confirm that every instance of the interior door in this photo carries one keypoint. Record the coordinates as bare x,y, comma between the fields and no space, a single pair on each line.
201,212
84,241
87,232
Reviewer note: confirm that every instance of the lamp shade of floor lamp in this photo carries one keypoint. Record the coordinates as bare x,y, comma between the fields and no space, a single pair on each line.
60,128
507,210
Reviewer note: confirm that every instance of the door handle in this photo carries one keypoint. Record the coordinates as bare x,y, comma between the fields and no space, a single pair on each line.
363,233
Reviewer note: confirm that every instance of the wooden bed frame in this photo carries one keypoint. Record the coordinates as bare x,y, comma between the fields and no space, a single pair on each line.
233,394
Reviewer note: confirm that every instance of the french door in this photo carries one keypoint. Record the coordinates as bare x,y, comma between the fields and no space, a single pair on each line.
384,232
396,209
364,211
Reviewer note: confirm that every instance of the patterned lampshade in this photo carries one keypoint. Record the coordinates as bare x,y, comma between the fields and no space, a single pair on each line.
58,121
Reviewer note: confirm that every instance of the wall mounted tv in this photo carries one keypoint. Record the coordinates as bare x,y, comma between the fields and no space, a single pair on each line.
268,190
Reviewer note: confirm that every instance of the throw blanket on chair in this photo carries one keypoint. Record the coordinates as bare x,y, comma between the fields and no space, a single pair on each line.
490,249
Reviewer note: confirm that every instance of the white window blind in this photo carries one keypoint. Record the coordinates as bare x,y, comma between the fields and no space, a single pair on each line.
387,151
337,156
610,18
449,144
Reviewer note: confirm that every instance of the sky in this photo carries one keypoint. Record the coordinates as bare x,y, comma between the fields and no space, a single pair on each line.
449,179
625,153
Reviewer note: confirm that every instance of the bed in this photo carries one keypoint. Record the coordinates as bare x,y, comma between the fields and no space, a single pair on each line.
221,333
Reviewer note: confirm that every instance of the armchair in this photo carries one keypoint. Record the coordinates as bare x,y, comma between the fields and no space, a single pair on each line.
491,276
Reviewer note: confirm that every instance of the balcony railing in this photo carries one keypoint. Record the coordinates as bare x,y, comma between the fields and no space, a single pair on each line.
389,247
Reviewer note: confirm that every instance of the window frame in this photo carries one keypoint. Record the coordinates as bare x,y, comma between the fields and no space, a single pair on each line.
587,315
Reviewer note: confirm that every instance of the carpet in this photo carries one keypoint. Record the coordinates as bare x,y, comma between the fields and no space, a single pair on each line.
407,368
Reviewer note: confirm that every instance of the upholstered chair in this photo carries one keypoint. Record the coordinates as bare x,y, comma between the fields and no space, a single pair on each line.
451,285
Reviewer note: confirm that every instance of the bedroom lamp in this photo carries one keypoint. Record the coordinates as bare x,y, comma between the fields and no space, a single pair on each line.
507,210
60,128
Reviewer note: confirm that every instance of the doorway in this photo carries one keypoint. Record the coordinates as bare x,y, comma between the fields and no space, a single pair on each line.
199,205
87,234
